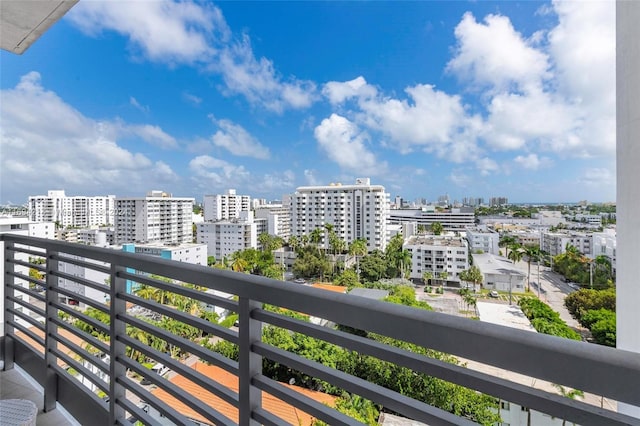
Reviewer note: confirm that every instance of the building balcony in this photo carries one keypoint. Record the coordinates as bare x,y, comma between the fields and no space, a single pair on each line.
55,344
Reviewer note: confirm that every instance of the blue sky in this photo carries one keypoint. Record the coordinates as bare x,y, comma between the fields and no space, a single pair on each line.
470,99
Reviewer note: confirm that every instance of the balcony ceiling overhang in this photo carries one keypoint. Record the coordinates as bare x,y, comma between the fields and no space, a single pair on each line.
23,22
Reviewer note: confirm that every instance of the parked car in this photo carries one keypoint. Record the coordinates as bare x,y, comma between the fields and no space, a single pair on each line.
299,281
494,293
158,369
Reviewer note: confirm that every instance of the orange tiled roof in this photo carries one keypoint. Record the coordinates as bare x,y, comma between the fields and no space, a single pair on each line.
330,287
270,403
62,332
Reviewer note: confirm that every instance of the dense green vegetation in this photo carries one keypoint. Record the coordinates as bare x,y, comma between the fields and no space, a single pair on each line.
456,399
595,309
580,269
545,320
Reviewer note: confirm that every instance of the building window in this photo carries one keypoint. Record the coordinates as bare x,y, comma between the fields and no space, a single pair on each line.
504,405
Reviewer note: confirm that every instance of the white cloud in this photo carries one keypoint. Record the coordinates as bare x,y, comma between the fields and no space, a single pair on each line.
582,46
213,171
134,102
430,120
53,144
311,179
494,53
598,177
161,31
345,145
154,135
460,179
187,32
235,139
337,92
258,81
279,181
518,120
191,98
210,173
486,166
532,161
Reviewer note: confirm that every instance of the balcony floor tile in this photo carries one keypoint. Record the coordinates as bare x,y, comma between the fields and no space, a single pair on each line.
15,385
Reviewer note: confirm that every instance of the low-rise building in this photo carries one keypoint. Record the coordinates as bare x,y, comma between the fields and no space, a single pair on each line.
499,273
456,219
225,237
437,254
604,244
555,243
186,252
527,238
482,239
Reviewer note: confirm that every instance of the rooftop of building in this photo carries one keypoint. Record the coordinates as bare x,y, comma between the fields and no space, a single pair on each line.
286,412
491,264
435,240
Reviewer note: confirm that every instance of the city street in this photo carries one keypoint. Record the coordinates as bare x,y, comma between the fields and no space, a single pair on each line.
552,290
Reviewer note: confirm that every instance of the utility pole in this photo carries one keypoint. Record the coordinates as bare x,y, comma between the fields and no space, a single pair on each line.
591,274
539,282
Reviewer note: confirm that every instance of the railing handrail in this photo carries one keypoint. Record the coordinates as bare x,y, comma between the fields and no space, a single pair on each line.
597,369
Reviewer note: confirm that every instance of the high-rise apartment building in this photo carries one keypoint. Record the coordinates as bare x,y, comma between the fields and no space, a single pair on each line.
225,206
77,211
355,211
498,201
158,217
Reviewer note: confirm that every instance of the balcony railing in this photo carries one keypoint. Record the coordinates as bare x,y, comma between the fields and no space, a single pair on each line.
36,336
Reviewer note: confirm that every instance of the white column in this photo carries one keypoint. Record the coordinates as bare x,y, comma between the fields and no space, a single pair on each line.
628,190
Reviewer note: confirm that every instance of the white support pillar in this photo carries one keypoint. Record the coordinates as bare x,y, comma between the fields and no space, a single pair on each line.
628,190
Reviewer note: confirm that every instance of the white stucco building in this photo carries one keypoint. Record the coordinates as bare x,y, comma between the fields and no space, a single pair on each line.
355,211
437,254
604,244
499,273
455,219
156,218
225,237
79,211
482,239
225,206
555,243
187,252
278,219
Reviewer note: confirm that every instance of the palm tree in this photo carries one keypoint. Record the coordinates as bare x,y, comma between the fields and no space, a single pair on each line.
293,242
443,276
264,239
316,238
532,253
404,260
516,253
427,276
358,248
567,393
506,241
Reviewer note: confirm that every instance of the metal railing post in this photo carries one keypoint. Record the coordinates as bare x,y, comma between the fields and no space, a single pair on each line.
117,349
249,363
9,268
51,378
